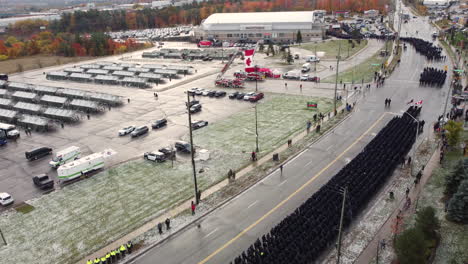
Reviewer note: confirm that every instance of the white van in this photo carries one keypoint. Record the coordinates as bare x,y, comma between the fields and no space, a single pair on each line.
305,67
10,130
312,58
65,155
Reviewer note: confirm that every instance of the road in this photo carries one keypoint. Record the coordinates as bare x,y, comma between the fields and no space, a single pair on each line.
229,230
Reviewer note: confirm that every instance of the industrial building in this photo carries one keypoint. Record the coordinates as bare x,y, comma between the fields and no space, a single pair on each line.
277,26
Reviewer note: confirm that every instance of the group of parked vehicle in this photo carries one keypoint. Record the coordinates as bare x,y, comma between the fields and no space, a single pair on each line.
136,131
251,96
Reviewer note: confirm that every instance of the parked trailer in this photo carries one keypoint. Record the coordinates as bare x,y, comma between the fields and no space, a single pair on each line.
64,156
83,166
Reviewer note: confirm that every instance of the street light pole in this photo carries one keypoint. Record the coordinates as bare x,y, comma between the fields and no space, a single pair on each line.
336,80
315,61
341,225
3,238
256,129
197,200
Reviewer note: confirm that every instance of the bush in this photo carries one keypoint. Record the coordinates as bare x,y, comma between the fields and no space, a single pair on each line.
457,210
409,246
453,179
427,221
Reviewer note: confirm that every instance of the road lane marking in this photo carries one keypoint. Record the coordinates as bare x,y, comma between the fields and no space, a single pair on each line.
209,234
232,240
252,204
329,147
283,182
307,164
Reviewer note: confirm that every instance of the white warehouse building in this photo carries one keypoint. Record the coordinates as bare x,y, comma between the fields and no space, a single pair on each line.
277,26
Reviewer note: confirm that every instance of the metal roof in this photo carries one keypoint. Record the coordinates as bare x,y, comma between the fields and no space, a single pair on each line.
5,113
104,63
45,89
53,99
134,69
58,74
84,103
113,68
134,80
33,120
97,71
3,92
108,98
72,92
260,18
154,66
150,76
5,102
80,76
123,73
27,106
59,112
24,95
2,83
90,66
106,78
19,86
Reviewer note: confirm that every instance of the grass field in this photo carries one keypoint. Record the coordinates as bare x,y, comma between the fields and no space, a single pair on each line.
365,70
331,47
36,62
71,223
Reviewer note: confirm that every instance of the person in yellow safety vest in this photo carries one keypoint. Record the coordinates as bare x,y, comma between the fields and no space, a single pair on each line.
123,250
129,247
103,260
113,256
117,252
89,262
96,261
108,260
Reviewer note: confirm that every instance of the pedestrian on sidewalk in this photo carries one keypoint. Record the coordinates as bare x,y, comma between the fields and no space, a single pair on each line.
281,169
409,161
309,124
300,87
386,102
160,228
382,244
286,85
193,206
407,191
254,156
168,223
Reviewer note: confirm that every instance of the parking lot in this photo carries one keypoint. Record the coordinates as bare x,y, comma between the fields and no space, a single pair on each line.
101,131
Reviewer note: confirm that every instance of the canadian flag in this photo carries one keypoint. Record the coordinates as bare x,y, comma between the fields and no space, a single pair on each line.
419,102
248,60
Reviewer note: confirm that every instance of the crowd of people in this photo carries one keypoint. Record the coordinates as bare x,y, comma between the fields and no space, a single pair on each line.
114,256
433,77
426,48
303,235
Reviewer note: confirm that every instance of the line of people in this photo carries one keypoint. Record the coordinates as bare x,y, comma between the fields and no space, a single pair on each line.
433,77
426,48
114,256
303,235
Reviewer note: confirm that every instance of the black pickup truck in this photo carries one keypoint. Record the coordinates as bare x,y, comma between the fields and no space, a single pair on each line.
43,181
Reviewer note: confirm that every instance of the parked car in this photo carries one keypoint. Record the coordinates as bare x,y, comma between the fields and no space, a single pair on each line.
155,156
3,77
6,199
199,92
256,97
167,151
192,91
248,95
195,108
304,77
159,123
182,146
3,142
233,95
141,130
193,102
126,130
43,181
211,93
38,153
205,92
240,96
207,59
220,93
199,124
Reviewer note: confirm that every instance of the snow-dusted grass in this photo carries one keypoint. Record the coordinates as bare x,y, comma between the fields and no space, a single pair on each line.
69,224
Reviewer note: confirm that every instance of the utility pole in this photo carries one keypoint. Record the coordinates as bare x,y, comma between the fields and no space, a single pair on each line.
377,257
192,152
336,80
256,129
3,238
315,62
345,189
399,28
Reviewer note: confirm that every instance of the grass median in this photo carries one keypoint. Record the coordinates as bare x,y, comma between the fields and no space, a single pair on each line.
330,48
69,224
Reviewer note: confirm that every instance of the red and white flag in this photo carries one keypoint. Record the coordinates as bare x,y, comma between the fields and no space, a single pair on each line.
419,102
248,60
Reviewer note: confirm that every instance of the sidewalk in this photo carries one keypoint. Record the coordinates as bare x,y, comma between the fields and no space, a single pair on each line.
171,213
386,231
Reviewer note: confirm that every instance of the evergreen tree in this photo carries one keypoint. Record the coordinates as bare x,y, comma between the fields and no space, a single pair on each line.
299,37
458,205
453,179
427,221
454,130
289,57
409,246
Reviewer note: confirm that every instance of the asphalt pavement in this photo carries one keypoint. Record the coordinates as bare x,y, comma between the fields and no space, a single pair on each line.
226,232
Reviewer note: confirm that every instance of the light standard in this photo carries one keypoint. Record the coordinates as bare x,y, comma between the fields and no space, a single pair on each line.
343,191
197,198
336,80
256,129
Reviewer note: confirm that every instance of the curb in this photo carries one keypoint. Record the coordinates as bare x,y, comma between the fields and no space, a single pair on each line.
151,246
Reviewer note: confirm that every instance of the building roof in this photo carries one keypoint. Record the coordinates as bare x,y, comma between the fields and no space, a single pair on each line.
261,17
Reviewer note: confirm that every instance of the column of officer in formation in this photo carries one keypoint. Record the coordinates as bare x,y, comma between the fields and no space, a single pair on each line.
432,77
303,235
426,48
114,256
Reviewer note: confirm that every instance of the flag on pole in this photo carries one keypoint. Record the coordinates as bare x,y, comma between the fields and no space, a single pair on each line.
311,105
412,100
248,60
419,102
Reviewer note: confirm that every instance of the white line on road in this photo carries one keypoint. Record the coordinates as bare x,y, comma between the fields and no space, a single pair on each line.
329,147
252,204
307,164
209,234
283,182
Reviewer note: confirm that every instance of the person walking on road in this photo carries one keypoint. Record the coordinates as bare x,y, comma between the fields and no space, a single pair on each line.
193,206
281,169
254,156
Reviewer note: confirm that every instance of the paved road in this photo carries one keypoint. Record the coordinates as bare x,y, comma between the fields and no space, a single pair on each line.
228,231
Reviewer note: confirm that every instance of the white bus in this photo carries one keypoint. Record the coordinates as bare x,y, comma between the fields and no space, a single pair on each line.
10,130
